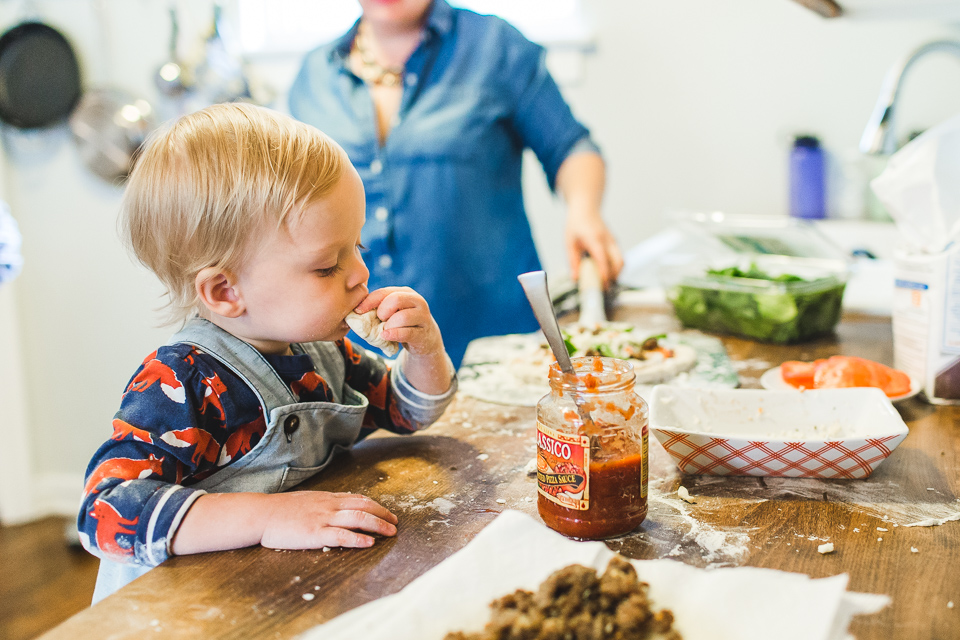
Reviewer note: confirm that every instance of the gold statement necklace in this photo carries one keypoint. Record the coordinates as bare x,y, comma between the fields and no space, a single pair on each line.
372,71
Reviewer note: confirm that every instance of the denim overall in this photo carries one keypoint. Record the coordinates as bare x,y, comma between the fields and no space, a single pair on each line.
300,439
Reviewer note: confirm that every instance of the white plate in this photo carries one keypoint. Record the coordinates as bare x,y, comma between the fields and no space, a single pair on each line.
773,380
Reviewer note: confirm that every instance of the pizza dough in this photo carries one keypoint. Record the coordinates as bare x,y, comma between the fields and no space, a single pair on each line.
512,369
369,327
652,362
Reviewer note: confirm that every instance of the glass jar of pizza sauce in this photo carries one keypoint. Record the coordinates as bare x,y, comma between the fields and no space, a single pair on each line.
592,450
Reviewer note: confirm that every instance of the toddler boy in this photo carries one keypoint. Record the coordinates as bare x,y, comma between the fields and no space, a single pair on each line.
252,222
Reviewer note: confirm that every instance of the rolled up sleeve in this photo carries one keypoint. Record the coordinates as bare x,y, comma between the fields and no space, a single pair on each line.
422,409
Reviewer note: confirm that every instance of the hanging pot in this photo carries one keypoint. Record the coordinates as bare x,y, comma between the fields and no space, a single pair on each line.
109,126
39,76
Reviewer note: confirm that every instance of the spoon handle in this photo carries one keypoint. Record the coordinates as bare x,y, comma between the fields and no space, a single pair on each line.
534,285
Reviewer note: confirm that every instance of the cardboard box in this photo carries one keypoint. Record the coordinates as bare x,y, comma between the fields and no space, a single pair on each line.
926,321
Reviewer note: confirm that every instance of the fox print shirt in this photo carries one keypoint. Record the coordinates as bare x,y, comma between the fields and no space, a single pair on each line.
184,416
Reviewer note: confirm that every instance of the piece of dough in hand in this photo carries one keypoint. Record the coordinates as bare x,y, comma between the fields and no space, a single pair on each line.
369,327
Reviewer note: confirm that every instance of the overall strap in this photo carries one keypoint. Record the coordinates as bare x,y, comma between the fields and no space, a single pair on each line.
239,357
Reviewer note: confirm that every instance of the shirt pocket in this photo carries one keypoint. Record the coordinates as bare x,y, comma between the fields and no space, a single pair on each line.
292,476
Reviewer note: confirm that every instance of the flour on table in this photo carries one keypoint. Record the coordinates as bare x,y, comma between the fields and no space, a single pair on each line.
884,498
442,505
934,522
710,545
531,468
413,503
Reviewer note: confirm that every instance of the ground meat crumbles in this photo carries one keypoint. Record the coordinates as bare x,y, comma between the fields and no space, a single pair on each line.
576,604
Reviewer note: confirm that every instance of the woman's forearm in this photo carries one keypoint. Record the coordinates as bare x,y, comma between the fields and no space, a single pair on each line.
581,181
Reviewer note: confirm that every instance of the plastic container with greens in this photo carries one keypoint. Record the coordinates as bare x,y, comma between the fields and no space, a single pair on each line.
770,298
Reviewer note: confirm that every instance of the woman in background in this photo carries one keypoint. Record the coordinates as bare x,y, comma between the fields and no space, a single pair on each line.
435,106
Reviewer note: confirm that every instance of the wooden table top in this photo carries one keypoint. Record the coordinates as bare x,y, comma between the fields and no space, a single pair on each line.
445,490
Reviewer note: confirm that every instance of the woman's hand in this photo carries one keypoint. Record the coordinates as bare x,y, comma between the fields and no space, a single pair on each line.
587,233
581,180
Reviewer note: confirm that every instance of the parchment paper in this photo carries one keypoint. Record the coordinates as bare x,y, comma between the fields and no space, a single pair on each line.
515,551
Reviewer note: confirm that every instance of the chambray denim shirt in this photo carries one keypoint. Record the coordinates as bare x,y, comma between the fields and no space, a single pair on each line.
445,208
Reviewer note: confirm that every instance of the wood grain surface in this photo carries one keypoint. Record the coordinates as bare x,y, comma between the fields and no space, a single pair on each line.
448,483
42,580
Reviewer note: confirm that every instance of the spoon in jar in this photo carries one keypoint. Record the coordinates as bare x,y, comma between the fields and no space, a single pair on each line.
534,286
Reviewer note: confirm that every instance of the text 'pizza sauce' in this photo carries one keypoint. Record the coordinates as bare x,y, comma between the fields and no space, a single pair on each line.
592,450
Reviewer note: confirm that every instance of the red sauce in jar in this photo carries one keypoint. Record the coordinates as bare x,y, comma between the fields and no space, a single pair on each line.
592,451
617,503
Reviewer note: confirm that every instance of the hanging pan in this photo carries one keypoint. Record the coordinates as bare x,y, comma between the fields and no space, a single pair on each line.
39,76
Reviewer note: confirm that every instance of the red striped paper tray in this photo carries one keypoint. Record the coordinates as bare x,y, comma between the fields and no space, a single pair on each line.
823,433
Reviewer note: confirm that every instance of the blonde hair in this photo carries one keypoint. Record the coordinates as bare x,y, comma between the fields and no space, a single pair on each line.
203,188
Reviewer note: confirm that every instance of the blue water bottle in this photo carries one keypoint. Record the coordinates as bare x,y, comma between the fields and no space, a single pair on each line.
806,179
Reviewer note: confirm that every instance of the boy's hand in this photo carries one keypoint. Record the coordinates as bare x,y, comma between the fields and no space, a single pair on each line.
406,319
295,520
314,519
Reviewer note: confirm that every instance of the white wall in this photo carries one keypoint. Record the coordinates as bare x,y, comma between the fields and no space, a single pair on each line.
693,101
84,311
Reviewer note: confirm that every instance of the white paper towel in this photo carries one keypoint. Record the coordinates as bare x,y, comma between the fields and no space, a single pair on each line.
517,552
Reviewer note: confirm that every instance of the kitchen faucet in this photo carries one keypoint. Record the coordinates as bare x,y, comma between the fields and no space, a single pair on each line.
878,138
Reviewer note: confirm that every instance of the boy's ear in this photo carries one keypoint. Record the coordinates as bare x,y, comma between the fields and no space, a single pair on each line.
217,291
